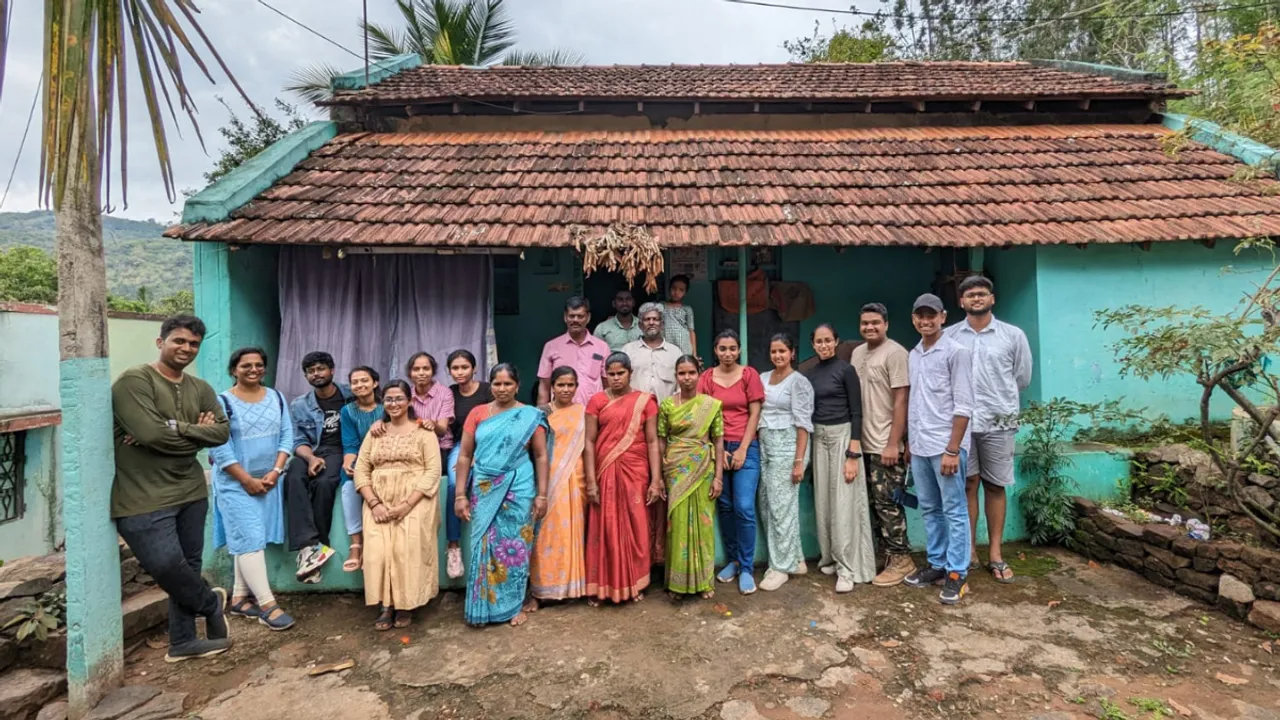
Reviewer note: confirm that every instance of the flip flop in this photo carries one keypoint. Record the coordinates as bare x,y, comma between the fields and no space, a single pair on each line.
384,621
998,570
404,619
352,564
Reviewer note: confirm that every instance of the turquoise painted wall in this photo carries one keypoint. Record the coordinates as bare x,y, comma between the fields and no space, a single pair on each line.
39,530
1013,272
1074,358
542,296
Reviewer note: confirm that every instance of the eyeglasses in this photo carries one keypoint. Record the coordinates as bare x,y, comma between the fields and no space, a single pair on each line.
394,400
976,295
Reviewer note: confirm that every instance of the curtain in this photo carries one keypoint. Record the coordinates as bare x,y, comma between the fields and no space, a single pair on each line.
377,310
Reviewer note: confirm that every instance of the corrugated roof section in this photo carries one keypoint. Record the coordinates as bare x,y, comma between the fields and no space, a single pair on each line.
936,186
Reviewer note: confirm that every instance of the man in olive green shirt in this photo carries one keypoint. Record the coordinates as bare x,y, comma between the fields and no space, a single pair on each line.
163,418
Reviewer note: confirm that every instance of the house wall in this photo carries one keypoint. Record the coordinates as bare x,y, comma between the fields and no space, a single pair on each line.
1013,272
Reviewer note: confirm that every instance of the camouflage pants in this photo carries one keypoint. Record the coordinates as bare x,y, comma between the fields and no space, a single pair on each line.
890,517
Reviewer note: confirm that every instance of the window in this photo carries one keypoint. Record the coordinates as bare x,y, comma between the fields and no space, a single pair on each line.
12,484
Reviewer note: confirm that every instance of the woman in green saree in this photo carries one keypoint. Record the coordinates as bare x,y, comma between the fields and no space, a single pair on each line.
691,433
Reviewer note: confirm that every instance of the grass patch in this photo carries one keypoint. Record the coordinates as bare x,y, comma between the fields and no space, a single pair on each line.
1032,564
1154,708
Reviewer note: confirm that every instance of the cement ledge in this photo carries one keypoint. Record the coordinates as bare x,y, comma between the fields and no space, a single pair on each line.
379,71
1224,141
1112,71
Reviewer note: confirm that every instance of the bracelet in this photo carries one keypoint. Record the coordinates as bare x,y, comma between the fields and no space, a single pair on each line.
541,497
955,453
375,504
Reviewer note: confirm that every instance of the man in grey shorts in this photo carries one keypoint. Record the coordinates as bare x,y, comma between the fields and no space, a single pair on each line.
1001,371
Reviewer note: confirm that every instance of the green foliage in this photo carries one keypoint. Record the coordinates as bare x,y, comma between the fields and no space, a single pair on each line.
28,274
1239,82
137,256
39,616
868,43
247,139
1153,707
1111,711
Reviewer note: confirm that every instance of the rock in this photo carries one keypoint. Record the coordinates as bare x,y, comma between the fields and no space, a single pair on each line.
1204,581
1128,530
1154,564
740,710
24,588
1129,561
837,675
10,609
1259,558
144,611
34,567
1258,497
129,569
122,701
1266,615
49,653
1185,546
1253,712
1130,547
1105,540
1083,505
808,707
1082,538
1088,525
1263,481
54,711
8,652
1207,550
1230,588
25,691
1267,591
1157,577
1101,554
1053,716
1161,536
1168,557
1207,597
1204,564
1230,550
163,707
1177,454
1247,573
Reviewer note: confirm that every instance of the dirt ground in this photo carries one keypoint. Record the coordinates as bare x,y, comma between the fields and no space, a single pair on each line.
1069,640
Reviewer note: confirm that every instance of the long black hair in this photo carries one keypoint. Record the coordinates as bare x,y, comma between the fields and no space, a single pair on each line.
620,358
239,354
561,372
377,381
405,388
507,368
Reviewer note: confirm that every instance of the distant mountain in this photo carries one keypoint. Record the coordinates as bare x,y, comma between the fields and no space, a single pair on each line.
137,256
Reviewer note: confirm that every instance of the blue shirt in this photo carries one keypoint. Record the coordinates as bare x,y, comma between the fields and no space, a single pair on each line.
941,390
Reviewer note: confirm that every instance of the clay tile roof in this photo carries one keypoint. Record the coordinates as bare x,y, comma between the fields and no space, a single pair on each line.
793,82
944,186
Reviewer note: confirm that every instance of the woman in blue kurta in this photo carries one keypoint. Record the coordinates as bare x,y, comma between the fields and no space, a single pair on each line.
357,417
248,508
507,444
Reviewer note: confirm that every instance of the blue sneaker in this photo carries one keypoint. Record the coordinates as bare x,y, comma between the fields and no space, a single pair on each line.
728,574
746,583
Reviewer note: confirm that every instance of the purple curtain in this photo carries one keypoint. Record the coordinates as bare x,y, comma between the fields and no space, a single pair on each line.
377,310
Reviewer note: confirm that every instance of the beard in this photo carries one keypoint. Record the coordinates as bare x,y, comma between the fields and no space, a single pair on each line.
978,313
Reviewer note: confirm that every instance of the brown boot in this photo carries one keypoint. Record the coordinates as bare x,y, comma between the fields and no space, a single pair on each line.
897,569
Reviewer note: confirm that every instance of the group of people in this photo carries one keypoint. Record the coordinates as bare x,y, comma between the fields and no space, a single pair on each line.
631,457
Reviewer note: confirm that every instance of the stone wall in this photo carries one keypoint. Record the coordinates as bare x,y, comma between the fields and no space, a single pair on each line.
1179,479
1242,580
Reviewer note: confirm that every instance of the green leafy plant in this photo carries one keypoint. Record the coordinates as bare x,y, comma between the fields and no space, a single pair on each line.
40,616
1111,711
1153,707
1171,486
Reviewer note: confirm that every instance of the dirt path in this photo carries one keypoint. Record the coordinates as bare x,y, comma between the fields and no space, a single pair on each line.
1069,640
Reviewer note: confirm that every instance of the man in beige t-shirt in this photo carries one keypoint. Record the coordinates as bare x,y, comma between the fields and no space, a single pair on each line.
882,369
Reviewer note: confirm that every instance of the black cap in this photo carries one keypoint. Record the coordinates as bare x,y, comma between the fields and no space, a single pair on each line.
928,300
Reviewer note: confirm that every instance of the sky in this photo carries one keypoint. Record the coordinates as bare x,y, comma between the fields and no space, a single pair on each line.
262,49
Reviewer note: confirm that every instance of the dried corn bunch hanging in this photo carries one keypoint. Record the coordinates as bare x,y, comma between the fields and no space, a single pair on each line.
623,248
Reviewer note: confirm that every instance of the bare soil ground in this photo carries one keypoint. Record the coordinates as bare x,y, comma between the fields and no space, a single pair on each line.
1069,640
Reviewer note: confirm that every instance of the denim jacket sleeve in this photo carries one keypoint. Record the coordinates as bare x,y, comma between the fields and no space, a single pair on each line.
304,423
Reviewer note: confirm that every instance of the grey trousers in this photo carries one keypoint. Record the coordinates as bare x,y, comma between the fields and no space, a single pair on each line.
844,516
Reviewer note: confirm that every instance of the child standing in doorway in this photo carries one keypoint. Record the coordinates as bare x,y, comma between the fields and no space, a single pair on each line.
677,318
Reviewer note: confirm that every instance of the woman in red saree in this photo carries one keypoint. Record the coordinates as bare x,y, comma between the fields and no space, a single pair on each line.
622,434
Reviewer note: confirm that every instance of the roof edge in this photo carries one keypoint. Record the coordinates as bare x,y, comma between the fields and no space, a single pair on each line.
1115,72
216,202
1224,141
379,71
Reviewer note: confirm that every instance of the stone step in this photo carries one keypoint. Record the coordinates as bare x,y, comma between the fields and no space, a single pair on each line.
141,612
23,692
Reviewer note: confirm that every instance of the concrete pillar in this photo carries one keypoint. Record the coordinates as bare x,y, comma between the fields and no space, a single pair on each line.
95,660
742,303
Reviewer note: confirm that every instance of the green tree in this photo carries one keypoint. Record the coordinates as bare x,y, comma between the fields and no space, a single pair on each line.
28,274
868,43
441,32
246,139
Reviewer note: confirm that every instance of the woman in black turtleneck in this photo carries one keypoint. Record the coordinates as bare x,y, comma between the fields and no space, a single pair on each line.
839,485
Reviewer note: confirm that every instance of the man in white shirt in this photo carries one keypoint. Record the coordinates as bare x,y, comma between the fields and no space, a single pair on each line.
653,359
1001,371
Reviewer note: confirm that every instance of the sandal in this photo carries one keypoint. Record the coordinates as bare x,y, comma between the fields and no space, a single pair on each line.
276,619
354,564
404,618
1001,572
383,623
245,608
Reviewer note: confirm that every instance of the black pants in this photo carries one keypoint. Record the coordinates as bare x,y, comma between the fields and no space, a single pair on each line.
309,500
168,544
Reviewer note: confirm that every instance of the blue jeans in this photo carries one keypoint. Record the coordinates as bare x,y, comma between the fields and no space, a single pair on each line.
945,510
736,508
452,524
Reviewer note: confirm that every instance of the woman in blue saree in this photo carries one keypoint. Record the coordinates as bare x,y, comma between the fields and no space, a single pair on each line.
507,445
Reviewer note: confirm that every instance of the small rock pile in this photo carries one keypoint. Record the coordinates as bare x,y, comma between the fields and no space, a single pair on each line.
1179,479
1242,580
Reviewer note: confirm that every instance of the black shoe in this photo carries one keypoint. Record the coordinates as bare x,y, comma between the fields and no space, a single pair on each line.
924,577
197,649
953,589
215,625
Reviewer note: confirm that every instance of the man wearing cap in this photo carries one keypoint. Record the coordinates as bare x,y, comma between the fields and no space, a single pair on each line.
1001,371
940,405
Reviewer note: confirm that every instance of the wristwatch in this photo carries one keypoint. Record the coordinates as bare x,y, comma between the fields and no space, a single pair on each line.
853,455
278,470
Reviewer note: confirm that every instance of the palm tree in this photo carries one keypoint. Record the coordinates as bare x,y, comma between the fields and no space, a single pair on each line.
91,48
441,32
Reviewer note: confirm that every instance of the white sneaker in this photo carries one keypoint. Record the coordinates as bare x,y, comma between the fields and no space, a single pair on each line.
304,559
773,580
318,556
828,569
844,585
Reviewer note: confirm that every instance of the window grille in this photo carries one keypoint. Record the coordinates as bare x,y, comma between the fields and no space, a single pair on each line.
12,483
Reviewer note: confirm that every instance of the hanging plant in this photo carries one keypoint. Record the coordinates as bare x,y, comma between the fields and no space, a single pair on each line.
622,248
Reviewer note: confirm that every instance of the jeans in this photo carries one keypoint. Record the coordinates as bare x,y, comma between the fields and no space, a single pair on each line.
945,509
168,544
736,508
452,523
352,507
309,500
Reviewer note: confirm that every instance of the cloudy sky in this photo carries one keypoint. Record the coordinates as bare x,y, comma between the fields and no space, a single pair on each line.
262,49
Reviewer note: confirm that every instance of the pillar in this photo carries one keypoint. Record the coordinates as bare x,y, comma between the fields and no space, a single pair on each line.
742,303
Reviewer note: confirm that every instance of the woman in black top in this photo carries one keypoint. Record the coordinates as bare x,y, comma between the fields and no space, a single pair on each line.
468,394
839,486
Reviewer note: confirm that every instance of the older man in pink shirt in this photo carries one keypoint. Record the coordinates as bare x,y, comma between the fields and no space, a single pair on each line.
578,349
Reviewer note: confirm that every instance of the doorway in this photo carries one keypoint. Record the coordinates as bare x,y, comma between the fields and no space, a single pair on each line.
600,288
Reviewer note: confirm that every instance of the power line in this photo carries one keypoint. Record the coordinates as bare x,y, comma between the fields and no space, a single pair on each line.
30,114
978,19
318,34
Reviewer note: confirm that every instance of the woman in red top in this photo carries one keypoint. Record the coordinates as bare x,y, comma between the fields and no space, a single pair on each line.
622,435
741,394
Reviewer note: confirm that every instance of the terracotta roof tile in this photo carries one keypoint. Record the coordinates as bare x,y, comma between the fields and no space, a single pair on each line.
793,82
915,186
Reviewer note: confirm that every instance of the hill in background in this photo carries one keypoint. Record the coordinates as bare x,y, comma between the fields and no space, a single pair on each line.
137,256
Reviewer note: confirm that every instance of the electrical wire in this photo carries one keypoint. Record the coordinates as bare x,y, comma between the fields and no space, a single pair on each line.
30,114
318,34
977,19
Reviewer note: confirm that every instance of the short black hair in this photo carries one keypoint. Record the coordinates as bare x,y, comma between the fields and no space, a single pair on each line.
561,372
690,359
975,281
575,302
186,322
240,353
373,374
877,308
405,388
785,339
435,370
507,368
620,358
678,279
814,335
464,354
317,357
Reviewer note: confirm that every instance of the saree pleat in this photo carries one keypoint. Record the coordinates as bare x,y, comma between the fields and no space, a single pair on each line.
558,570
689,467
618,527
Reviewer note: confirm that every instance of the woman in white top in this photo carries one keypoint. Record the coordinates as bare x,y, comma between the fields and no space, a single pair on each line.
786,421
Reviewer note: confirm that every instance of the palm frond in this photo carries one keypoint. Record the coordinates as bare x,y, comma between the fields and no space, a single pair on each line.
559,57
313,83
385,42
492,29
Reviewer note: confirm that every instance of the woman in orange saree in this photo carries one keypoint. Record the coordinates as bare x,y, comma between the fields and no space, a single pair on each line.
622,434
